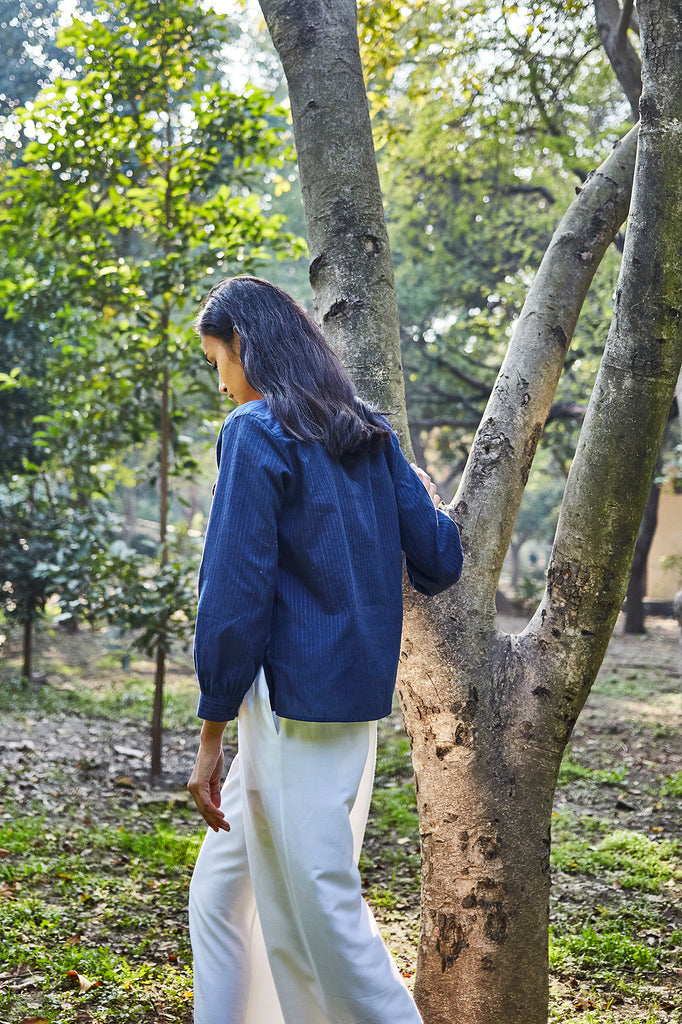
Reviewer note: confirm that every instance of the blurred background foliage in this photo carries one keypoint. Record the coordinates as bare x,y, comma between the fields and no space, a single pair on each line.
146,150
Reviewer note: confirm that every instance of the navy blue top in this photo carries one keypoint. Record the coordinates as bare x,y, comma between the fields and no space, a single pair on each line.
302,573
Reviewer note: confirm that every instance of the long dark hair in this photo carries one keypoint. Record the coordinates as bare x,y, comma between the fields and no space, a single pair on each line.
286,359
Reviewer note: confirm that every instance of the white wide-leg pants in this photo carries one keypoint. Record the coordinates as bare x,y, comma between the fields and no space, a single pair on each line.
280,932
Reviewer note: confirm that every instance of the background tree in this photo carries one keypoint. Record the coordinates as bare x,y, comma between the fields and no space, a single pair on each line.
489,714
134,188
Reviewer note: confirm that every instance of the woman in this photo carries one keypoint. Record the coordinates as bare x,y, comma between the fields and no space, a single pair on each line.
298,635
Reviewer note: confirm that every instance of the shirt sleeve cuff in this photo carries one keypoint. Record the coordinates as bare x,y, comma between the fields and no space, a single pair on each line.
211,709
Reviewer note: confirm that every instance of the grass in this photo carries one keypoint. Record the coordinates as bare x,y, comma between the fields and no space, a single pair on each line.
394,763
562,1014
672,785
395,811
572,771
638,685
601,952
105,902
383,898
620,950
127,697
627,858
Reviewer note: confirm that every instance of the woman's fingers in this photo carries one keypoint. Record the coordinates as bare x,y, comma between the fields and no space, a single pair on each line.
204,785
428,484
211,814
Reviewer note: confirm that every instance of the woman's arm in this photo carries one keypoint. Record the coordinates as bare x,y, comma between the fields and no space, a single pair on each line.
239,565
429,538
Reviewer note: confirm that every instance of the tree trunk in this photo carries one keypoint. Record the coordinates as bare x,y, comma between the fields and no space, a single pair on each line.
634,600
157,712
160,673
350,262
677,602
129,505
27,648
489,714
515,559
417,446
677,612
164,451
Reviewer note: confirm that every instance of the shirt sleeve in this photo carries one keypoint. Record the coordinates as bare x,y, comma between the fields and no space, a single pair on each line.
429,538
239,565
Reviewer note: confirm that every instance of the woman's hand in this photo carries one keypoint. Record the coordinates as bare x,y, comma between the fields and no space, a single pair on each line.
205,780
428,484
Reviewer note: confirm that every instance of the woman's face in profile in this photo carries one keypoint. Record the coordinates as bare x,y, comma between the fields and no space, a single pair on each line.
225,359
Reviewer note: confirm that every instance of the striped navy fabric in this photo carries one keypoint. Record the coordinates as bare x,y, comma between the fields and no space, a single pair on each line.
302,573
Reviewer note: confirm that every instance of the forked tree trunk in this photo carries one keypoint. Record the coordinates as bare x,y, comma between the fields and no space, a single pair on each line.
489,714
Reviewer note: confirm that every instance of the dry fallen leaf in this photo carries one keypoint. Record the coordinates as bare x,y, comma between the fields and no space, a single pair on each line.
76,979
34,1020
130,752
31,982
582,1003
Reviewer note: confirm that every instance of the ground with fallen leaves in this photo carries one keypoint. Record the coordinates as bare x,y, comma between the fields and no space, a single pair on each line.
95,861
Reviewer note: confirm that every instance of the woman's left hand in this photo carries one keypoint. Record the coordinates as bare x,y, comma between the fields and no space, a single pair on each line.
428,484
205,780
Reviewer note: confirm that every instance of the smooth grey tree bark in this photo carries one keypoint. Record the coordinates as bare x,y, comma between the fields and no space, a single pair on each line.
489,714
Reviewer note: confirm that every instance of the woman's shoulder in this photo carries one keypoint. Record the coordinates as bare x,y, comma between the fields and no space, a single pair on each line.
255,414
251,428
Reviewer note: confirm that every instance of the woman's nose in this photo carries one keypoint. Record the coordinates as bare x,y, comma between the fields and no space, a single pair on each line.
222,387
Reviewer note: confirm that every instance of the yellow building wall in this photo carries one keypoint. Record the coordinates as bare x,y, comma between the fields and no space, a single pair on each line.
662,585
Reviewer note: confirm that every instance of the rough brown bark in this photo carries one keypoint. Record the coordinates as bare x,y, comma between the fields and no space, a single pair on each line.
489,714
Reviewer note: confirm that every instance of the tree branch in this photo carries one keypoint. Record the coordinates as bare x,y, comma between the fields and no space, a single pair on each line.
444,364
503,450
612,30
442,421
565,411
624,23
